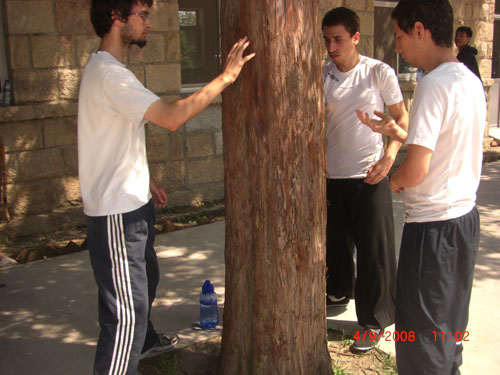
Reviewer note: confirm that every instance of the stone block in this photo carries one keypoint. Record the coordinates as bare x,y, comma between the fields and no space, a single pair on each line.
370,5
73,17
50,51
173,47
70,157
205,171
219,143
32,165
176,146
484,12
163,78
165,16
199,145
170,175
61,109
485,68
157,149
484,30
19,52
35,86
29,17
29,198
209,119
85,47
365,46
64,191
356,5
326,5
22,136
59,131
366,24
175,175
17,113
69,83
483,49
153,52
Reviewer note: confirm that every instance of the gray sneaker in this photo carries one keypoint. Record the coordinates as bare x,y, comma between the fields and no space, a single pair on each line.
367,339
164,344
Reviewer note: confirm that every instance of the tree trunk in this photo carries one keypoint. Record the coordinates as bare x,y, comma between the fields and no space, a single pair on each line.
274,313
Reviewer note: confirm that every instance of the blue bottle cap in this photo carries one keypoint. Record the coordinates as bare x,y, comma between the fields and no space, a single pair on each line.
207,287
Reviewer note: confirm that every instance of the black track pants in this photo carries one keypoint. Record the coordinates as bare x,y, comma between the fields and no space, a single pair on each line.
126,272
435,273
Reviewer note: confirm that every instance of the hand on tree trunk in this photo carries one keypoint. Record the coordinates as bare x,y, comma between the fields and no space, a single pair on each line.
235,60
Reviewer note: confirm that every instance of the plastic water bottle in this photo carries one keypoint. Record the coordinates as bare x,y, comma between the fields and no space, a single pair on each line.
6,93
209,314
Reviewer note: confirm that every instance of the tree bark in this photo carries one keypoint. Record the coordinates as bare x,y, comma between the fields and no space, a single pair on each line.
274,311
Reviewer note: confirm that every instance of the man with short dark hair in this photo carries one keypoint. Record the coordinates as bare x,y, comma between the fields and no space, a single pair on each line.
118,194
359,211
440,176
466,53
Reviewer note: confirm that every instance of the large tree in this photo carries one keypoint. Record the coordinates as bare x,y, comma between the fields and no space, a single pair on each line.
274,313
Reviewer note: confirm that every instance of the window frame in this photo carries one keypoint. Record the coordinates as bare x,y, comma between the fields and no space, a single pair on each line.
410,73
187,88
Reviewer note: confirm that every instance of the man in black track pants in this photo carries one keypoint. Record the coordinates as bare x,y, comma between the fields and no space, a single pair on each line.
117,191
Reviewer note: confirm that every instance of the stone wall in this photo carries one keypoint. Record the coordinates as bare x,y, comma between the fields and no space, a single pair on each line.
49,43
479,16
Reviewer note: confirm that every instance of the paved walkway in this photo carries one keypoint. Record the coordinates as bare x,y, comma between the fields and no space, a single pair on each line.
48,320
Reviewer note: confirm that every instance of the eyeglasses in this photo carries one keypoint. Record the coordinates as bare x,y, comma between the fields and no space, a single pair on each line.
144,16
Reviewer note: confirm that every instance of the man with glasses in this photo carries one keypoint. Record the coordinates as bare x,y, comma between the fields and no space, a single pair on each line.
118,194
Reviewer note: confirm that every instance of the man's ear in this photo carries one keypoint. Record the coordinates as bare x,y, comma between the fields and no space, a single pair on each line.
419,30
116,16
356,38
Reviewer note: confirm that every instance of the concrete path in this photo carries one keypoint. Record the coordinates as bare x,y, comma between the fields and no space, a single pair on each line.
48,309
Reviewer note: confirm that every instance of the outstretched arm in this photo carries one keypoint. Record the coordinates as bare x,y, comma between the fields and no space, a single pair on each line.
173,115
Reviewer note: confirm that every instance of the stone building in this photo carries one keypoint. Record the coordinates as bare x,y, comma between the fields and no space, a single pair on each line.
46,43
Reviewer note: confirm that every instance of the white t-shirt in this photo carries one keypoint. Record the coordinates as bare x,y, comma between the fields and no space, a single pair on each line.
447,116
112,162
351,146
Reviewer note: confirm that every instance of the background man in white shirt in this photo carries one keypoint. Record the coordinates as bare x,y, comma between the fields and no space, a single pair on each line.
117,191
440,176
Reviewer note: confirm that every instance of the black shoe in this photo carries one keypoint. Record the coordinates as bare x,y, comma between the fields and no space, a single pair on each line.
339,302
163,345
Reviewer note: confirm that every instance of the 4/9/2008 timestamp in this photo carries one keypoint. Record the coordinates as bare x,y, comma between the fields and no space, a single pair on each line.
458,336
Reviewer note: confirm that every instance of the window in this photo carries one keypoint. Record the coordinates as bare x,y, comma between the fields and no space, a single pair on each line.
384,41
200,45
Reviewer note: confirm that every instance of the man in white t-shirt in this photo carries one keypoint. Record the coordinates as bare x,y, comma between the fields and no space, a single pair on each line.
117,192
440,176
359,199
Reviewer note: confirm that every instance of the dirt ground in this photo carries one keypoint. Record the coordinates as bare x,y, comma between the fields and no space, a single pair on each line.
203,359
